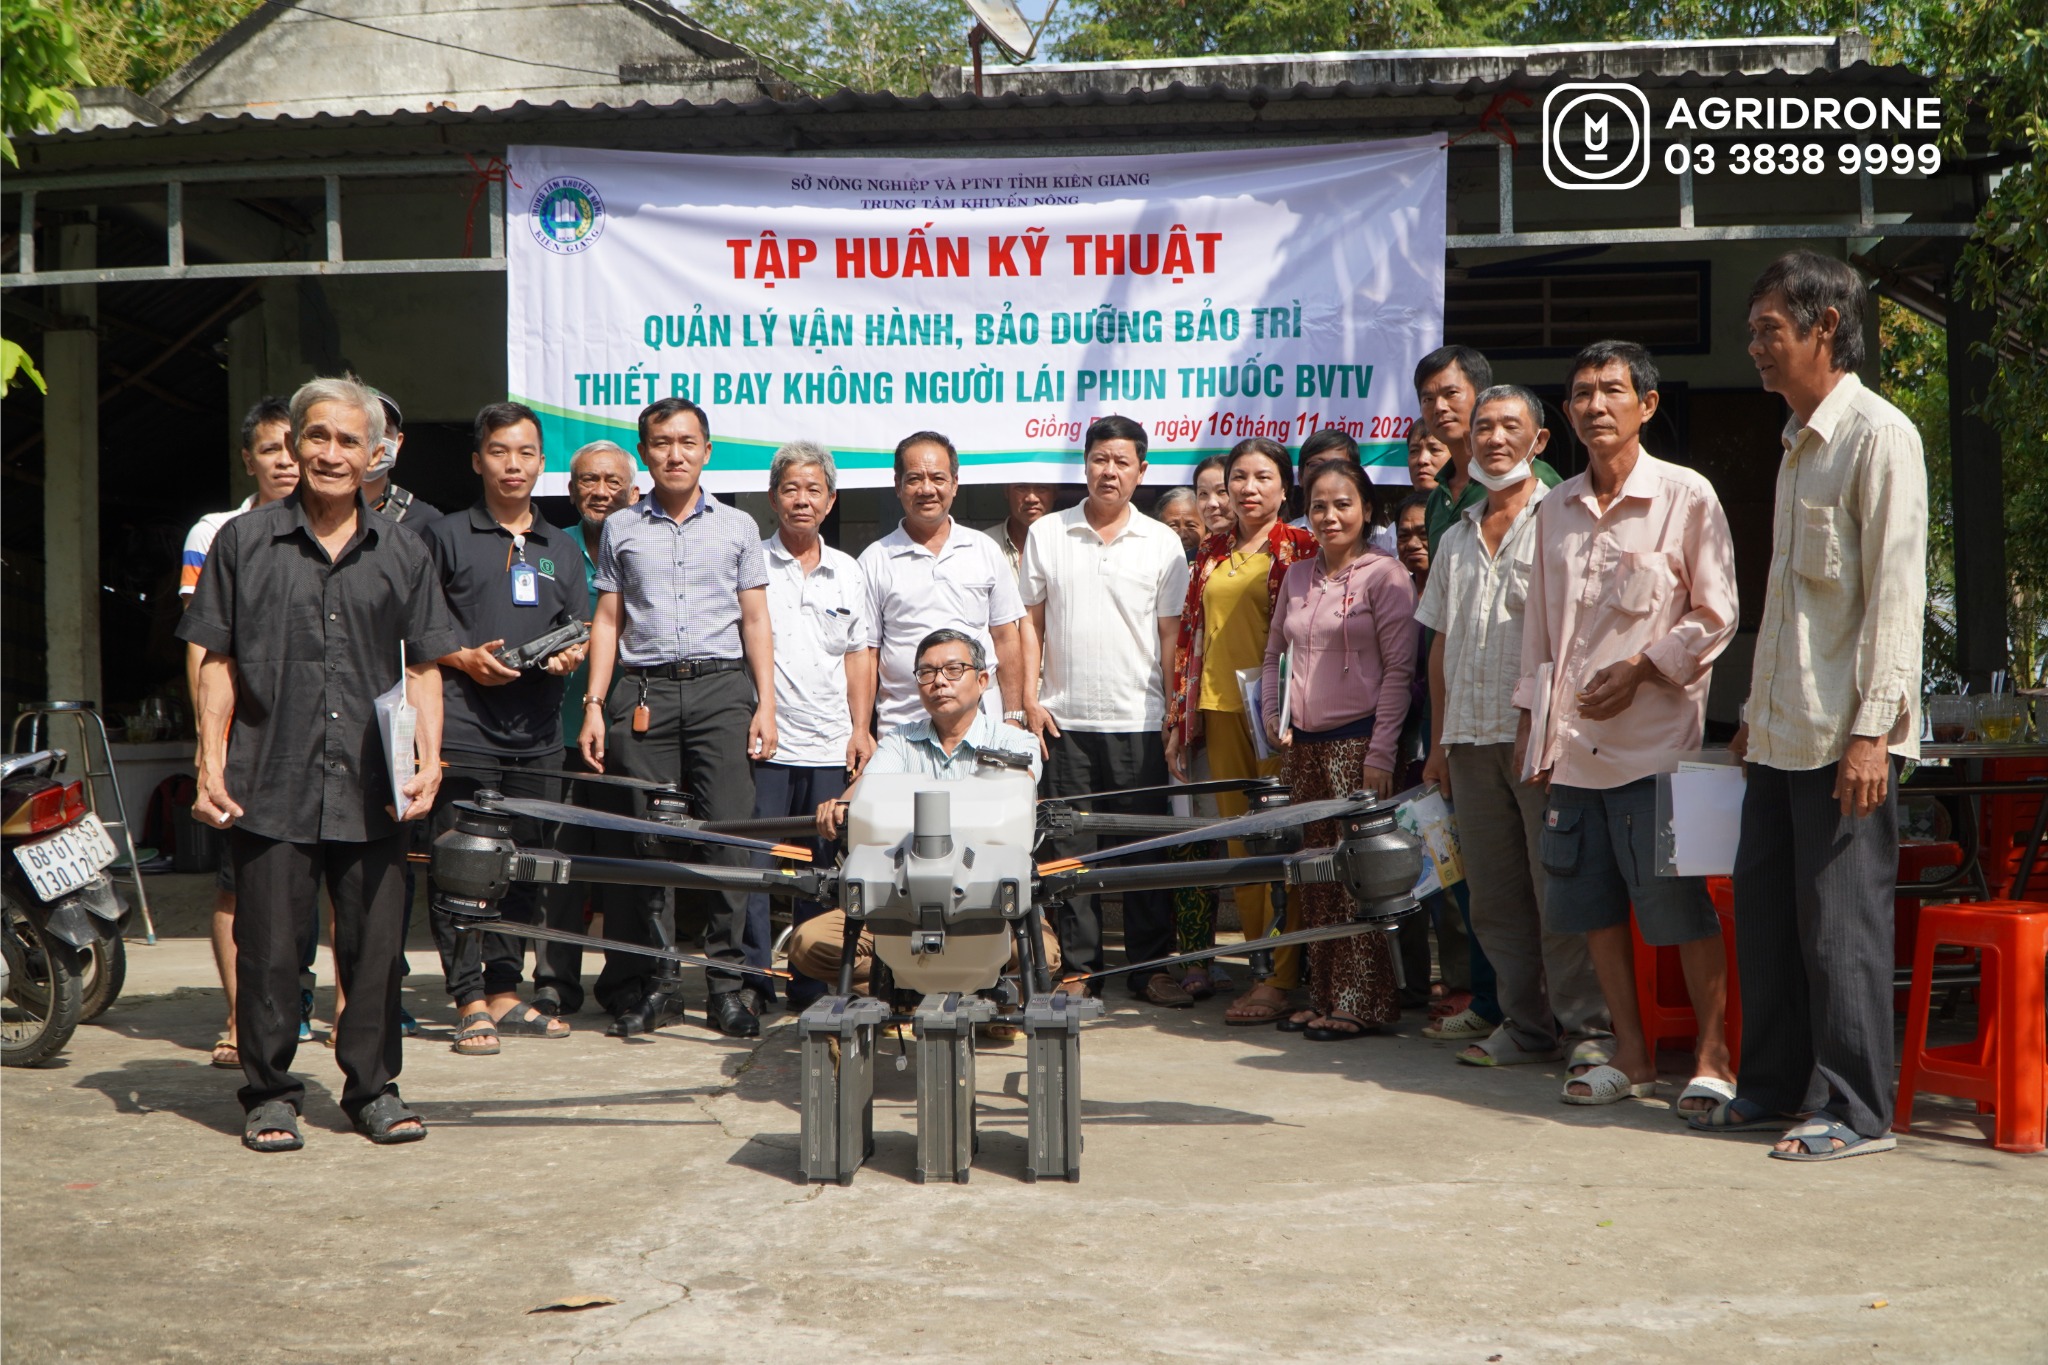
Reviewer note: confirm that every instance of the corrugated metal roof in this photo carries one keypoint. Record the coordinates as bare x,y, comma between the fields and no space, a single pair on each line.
854,102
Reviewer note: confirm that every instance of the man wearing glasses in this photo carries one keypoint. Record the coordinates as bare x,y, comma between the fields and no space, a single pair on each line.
947,742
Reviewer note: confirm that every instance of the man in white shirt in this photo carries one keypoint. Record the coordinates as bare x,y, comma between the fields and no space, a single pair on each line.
931,573
1103,584
267,457
1834,700
824,673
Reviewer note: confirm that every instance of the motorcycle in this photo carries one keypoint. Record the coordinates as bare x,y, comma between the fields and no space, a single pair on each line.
60,920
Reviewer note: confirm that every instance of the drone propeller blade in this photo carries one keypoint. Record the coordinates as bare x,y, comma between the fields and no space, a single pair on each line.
555,812
1245,949
605,779
1249,825
1208,788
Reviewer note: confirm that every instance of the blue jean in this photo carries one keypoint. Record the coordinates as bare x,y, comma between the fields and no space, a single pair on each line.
779,790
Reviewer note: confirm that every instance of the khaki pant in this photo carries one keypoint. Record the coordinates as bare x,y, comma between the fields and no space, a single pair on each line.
1544,981
815,948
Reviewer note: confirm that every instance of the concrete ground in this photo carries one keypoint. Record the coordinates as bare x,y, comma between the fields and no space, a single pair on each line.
1245,1195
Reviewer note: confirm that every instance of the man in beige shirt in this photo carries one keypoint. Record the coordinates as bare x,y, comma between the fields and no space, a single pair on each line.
1631,598
1833,706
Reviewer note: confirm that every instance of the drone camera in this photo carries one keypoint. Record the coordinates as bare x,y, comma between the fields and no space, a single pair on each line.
924,942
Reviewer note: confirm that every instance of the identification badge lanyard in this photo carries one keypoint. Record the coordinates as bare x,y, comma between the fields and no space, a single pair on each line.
525,581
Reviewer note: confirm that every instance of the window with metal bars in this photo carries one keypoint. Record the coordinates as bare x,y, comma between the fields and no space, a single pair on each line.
1551,312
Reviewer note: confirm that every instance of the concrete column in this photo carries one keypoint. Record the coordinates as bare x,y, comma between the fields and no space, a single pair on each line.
248,371
71,480
1977,484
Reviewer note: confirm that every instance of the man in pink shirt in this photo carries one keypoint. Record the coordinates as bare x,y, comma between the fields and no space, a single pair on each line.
1631,598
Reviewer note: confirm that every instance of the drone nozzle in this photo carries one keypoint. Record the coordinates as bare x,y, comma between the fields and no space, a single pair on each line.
931,824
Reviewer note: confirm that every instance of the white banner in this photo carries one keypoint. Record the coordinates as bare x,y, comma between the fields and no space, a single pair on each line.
1005,302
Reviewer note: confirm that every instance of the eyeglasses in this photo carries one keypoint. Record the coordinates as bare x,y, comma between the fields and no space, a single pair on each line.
927,674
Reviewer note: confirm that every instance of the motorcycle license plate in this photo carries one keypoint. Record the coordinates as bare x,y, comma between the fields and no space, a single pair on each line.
68,859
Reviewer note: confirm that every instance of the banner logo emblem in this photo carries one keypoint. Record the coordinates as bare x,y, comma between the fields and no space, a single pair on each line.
568,215
1596,136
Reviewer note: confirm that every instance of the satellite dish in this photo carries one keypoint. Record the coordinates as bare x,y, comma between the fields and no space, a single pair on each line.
1002,21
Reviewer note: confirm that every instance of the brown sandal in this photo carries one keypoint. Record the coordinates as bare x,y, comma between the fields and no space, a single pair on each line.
1247,1010
226,1055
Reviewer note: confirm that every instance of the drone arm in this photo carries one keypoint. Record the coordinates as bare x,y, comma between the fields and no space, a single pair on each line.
1280,867
809,883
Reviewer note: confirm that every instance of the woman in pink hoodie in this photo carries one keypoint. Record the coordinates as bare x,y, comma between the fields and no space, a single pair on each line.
1345,619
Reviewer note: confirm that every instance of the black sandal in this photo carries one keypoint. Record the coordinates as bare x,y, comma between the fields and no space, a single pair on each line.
530,1021
272,1116
376,1120
476,1028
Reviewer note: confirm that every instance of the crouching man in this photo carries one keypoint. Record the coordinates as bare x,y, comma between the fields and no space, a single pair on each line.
301,612
952,673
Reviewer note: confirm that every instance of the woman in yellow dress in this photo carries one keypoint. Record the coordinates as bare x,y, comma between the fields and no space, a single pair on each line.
1223,628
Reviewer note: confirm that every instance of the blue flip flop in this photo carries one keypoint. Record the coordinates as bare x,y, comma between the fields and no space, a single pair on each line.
1819,1134
1737,1116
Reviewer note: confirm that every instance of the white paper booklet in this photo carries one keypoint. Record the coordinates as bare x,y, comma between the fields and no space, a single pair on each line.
397,720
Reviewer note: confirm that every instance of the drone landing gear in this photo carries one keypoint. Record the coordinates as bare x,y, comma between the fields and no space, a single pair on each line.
1052,1033
946,1140
836,1041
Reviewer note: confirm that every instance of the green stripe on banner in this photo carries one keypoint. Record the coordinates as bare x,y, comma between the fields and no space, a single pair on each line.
564,431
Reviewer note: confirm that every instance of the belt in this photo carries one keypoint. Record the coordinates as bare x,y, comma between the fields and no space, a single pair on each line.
683,670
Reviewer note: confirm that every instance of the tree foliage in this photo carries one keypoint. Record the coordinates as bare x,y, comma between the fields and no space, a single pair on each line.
828,45
137,43
1124,30
39,63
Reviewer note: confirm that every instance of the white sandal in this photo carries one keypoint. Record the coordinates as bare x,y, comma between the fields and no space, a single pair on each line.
1703,1088
1462,1027
1609,1084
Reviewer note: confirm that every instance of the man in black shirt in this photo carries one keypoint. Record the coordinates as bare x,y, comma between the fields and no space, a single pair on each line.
509,577
303,611
402,505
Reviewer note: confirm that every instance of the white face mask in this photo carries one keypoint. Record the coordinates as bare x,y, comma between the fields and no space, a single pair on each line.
1495,483
386,461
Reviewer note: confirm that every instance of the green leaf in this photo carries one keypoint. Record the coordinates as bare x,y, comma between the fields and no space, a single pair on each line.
14,360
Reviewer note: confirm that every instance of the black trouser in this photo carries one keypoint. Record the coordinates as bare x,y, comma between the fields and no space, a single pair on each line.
784,789
277,919
476,965
1083,761
560,965
696,735
1813,945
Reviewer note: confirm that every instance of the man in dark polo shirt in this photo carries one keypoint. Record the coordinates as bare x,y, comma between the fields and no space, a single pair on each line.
302,611
509,577
682,687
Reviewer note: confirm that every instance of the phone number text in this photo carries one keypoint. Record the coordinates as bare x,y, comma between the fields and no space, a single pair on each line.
1802,158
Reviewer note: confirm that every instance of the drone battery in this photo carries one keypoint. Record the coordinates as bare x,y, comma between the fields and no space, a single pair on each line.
836,1041
1052,1031
946,1140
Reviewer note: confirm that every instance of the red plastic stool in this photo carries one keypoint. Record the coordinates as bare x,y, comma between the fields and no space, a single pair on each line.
1661,995
2006,1064
1916,862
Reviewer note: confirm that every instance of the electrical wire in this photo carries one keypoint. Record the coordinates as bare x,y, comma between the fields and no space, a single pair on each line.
436,42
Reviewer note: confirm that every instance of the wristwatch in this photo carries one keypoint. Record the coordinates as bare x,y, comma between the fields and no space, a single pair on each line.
1016,717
